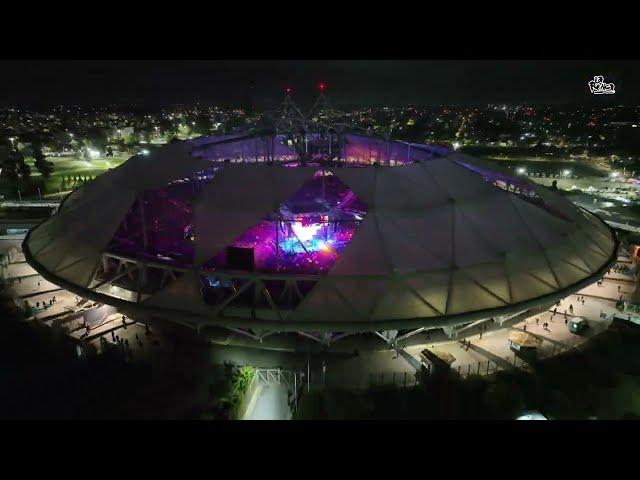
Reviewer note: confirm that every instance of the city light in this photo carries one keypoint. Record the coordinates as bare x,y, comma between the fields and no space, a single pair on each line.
144,152
456,145
522,170
93,154
566,173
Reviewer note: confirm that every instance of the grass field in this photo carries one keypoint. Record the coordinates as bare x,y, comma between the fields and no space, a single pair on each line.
72,166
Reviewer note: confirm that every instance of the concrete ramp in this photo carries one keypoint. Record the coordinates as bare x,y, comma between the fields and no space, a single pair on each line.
270,403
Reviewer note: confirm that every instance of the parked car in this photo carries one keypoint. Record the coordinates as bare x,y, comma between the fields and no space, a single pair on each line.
577,325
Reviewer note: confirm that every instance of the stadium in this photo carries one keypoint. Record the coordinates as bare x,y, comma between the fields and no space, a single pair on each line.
320,234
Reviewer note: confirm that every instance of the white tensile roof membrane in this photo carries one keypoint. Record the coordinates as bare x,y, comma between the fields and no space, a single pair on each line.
438,239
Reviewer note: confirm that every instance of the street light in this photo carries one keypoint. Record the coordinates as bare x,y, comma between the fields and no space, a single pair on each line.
566,173
522,170
12,144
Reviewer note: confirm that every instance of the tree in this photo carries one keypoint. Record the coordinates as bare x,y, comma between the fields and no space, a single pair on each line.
43,166
23,169
167,127
203,125
97,138
131,139
232,123
7,163
12,164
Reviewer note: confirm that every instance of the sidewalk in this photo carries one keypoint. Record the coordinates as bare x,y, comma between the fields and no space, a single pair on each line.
270,402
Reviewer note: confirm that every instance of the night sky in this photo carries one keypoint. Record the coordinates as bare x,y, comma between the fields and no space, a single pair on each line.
359,82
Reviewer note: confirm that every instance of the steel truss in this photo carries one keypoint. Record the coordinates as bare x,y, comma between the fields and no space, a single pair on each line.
269,309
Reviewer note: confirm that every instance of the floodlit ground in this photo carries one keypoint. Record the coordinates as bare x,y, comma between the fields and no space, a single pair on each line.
72,166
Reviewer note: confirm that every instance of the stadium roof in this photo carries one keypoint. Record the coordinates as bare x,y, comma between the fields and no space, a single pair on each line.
444,240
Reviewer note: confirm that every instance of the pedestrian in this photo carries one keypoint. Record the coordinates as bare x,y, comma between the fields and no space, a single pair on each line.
38,284
618,288
555,310
525,327
571,308
583,300
480,334
37,304
565,321
537,321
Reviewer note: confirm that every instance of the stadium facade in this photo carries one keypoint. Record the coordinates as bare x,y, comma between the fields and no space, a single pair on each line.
321,234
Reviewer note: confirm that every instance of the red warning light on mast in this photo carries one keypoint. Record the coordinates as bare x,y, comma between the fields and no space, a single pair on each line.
322,86
288,90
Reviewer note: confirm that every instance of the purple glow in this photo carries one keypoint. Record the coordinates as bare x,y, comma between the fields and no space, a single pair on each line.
313,227
311,231
159,226
347,148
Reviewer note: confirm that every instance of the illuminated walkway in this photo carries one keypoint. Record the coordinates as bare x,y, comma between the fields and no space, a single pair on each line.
270,403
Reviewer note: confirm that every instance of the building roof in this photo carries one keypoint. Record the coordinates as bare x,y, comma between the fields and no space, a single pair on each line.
440,241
